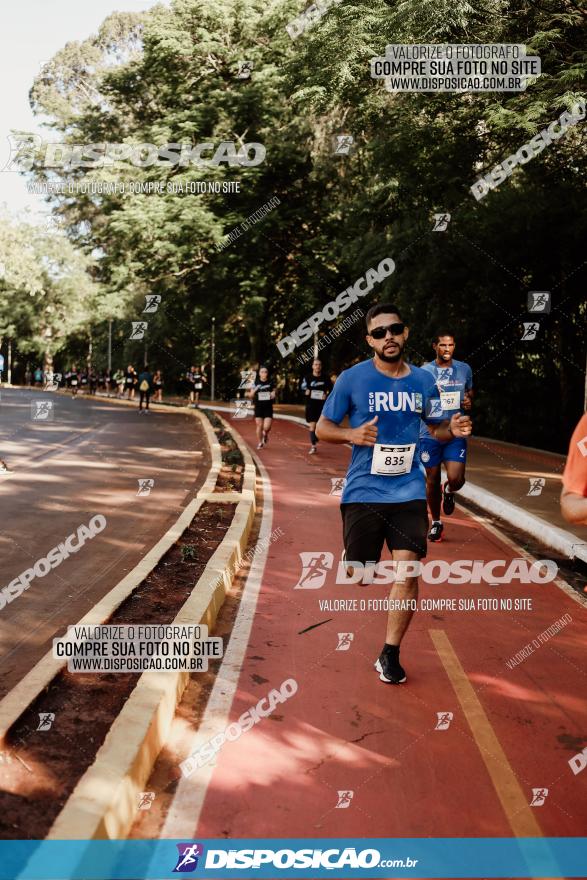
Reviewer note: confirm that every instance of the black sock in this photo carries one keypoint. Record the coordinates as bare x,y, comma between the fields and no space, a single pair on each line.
313,438
391,649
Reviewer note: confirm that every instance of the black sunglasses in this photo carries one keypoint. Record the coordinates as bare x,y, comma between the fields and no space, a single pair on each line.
381,332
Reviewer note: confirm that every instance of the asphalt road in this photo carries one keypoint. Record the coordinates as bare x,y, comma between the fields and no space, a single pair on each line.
86,459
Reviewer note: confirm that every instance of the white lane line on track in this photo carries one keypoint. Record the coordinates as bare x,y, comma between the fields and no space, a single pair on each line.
524,554
184,811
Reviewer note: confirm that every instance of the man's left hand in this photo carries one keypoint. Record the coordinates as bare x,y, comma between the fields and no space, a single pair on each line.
461,426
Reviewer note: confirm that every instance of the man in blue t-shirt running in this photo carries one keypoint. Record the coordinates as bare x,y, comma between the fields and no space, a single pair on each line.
384,499
454,380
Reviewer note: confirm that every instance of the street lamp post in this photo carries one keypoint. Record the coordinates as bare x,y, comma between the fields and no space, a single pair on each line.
109,346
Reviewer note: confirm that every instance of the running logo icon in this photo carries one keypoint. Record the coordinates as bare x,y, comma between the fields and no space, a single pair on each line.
243,409
146,799
52,381
245,69
344,800
187,861
435,410
539,795
539,301
139,328
344,641
338,484
344,143
145,487
42,410
441,222
537,484
247,379
444,375
530,331
46,719
314,569
444,719
152,303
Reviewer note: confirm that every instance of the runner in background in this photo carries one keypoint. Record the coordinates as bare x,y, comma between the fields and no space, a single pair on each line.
118,380
454,380
145,383
130,381
158,387
574,493
74,380
316,388
195,379
263,394
384,499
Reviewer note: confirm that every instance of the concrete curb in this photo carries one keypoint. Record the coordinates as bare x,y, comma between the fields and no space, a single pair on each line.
28,688
557,539
104,802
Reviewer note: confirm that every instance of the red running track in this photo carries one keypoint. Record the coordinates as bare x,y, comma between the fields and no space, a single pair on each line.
513,730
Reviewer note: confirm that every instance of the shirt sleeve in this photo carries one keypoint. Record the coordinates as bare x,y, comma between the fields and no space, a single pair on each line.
575,473
338,403
468,378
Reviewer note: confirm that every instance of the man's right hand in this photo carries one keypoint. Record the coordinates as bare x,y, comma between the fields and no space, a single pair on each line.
364,435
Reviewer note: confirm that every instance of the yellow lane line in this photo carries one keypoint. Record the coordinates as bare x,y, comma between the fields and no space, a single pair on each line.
513,800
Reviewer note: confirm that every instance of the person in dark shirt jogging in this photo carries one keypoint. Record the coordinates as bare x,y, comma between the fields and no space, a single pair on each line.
145,388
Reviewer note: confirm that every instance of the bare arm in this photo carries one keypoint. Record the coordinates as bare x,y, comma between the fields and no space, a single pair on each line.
364,435
458,426
574,507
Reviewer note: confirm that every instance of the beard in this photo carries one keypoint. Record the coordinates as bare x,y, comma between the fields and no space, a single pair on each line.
391,358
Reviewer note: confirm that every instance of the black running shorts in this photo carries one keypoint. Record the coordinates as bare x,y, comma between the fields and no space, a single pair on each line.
314,410
366,526
263,409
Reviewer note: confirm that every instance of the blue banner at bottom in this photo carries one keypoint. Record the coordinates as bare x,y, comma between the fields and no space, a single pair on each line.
413,857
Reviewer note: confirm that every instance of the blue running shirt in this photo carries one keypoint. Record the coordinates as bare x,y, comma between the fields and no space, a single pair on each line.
361,393
458,378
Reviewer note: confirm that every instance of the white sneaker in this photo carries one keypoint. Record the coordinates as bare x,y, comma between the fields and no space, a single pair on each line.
312,450
260,445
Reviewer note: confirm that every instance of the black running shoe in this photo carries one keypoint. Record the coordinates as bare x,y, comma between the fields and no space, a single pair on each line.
435,533
448,500
388,666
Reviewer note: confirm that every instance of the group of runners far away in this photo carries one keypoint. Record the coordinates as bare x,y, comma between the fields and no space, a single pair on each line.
402,422
125,383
